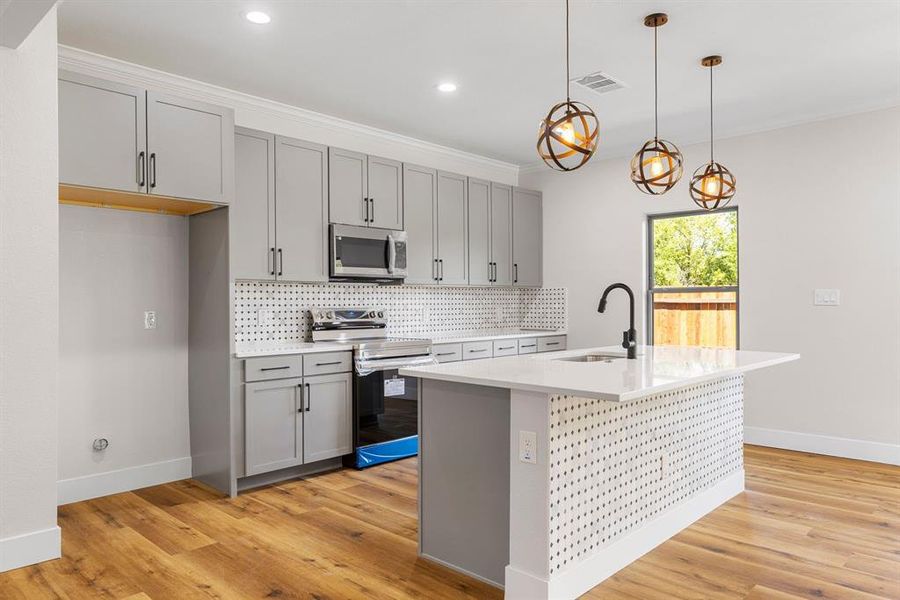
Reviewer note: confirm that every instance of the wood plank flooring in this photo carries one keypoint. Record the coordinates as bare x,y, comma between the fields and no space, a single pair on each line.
808,527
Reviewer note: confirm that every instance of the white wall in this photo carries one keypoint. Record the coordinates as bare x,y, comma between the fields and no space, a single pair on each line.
28,299
120,381
819,208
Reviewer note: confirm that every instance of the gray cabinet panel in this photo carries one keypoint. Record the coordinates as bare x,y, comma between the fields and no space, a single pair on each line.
501,233
191,149
385,192
420,202
102,133
527,244
452,227
301,204
252,213
328,417
348,187
480,269
273,425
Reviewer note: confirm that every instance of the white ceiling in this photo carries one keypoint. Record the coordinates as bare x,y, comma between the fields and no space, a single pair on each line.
377,61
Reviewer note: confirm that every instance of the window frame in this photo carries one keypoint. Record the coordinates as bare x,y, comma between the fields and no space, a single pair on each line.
726,288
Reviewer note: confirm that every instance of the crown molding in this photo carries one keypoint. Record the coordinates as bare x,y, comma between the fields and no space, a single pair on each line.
98,65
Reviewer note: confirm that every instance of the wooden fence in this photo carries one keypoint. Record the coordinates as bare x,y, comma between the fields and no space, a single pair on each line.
695,319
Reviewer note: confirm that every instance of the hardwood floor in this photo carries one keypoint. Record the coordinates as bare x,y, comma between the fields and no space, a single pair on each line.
807,527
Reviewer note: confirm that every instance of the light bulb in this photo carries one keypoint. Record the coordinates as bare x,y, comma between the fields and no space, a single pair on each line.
566,131
711,185
655,163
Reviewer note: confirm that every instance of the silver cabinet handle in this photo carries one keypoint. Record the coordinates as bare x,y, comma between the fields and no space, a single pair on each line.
527,345
142,170
274,368
337,362
553,343
445,353
481,350
308,397
506,348
153,169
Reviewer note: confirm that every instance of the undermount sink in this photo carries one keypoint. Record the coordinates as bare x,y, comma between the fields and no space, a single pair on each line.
592,357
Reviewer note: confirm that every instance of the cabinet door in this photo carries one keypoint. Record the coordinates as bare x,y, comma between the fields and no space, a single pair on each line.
452,227
480,269
252,213
327,420
102,134
301,205
527,226
191,146
347,187
420,202
501,233
273,425
385,192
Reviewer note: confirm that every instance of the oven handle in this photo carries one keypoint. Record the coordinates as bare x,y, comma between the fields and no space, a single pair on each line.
367,366
392,253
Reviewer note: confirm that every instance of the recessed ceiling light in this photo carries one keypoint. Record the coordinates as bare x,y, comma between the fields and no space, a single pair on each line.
447,87
258,17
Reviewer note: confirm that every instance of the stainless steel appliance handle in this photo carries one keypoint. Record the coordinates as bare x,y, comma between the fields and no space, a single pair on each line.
392,253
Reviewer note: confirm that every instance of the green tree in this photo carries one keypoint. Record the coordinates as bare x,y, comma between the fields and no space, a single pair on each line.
695,250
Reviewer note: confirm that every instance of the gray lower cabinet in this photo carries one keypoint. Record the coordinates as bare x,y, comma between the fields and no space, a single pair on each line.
527,238
452,229
327,417
420,204
190,147
279,215
366,191
123,138
273,425
490,233
102,134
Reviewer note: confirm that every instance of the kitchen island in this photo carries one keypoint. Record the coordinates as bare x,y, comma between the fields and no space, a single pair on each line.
546,474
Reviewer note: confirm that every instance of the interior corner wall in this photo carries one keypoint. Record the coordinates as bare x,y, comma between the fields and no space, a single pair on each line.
819,207
29,324
123,382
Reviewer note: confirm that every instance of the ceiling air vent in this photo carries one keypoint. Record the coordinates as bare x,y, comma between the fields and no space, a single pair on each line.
598,82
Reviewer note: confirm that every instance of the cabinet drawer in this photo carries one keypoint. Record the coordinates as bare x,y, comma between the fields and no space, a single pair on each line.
551,343
476,350
327,362
506,347
448,352
272,367
527,345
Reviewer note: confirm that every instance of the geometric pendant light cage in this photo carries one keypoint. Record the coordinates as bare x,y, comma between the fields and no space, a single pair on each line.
568,135
712,185
658,165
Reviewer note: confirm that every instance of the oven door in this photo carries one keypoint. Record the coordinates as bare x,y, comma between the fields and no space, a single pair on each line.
367,253
386,413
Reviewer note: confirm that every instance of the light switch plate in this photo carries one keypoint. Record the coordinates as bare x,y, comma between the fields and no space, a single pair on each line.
149,319
528,447
827,297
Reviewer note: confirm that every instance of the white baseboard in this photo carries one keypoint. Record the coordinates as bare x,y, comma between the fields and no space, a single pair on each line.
823,444
122,480
578,579
29,548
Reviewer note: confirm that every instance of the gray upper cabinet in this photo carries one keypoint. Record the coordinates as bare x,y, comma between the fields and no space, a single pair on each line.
273,425
452,229
420,204
301,206
527,238
190,149
102,134
480,262
348,187
252,214
328,416
385,192
501,233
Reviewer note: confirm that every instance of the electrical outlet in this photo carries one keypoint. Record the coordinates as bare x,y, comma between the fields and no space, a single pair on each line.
528,447
827,297
149,319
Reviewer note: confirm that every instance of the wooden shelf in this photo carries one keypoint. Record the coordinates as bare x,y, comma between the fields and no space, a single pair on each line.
100,198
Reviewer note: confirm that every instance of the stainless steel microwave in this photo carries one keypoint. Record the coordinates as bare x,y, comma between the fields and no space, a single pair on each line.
367,253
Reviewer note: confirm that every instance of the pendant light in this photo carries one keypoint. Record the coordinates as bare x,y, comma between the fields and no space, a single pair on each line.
568,134
658,165
712,185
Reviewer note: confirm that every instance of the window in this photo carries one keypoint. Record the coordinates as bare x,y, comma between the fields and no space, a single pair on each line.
693,287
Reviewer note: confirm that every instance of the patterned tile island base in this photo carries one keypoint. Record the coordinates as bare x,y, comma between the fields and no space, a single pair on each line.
610,480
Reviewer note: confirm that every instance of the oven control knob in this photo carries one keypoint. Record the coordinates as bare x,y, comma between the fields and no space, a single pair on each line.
330,314
372,314
380,314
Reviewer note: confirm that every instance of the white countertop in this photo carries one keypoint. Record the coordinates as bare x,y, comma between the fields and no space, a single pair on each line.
656,369
273,348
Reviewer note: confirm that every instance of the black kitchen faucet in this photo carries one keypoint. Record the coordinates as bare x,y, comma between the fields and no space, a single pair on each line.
628,337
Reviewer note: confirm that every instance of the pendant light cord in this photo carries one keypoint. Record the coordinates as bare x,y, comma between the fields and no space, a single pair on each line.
711,137
655,86
568,99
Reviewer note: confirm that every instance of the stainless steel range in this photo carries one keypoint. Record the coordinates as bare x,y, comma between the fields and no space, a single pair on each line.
385,404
